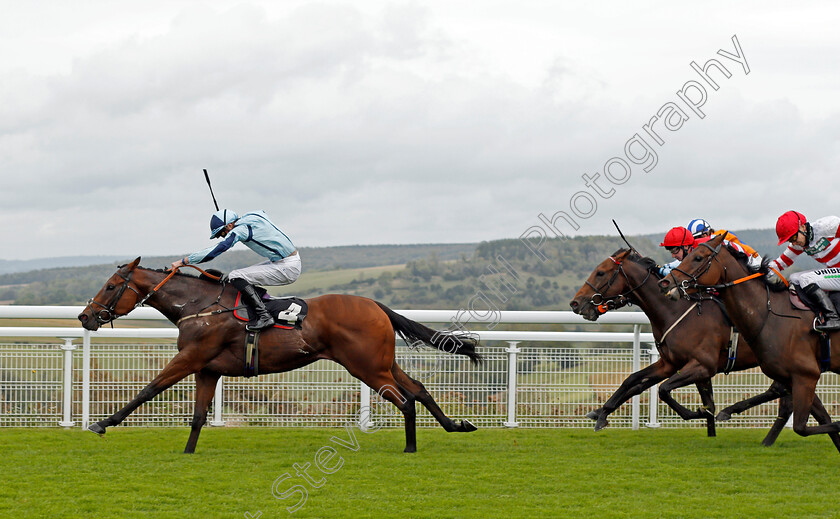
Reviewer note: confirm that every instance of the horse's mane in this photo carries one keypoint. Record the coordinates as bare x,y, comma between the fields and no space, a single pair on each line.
201,276
648,264
770,278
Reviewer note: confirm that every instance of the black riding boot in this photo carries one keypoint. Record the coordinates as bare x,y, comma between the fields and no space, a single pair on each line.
832,320
249,295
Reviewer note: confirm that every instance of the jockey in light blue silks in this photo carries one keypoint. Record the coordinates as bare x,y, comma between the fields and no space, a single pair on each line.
259,234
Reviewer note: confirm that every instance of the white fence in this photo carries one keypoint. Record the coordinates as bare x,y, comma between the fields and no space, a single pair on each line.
552,382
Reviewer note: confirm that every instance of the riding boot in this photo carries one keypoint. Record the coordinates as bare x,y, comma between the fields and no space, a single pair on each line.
831,321
254,301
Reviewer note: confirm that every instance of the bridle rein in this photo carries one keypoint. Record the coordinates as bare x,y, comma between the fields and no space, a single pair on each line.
108,313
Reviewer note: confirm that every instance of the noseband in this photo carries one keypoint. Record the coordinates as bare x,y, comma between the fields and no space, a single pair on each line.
109,312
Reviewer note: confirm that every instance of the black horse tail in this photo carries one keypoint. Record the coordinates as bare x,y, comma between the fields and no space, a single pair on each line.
412,332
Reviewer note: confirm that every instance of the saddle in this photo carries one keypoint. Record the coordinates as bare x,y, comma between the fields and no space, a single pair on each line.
288,312
799,299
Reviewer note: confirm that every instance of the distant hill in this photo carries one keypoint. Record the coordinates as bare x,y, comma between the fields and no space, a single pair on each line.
11,266
401,276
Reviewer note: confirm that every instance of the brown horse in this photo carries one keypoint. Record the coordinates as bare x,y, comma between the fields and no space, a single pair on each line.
781,336
356,332
692,339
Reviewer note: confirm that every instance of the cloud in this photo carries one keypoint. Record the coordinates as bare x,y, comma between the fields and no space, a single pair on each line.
402,122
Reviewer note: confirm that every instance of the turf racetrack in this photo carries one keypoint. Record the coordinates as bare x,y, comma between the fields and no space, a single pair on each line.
240,472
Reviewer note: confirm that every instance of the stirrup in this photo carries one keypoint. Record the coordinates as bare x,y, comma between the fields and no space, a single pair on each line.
829,325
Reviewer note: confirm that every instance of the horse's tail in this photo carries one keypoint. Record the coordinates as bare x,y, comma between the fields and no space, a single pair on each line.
413,332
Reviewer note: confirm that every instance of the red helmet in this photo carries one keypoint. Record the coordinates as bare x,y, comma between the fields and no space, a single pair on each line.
678,237
788,224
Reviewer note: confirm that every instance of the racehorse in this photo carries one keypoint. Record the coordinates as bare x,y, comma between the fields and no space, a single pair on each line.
781,336
691,336
356,332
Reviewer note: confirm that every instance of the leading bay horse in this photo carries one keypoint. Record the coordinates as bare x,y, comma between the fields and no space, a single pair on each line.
781,336
692,339
356,332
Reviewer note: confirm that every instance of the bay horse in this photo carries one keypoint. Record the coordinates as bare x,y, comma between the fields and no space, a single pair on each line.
691,336
786,347
354,331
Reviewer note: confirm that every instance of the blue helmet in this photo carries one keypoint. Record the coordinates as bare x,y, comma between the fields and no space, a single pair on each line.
698,226
220,219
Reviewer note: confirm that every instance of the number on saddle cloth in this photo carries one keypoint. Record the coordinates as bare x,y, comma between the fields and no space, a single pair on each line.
288,312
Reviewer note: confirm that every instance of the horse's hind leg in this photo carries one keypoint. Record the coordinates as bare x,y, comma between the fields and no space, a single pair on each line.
776,390
205,388
419,391
390,390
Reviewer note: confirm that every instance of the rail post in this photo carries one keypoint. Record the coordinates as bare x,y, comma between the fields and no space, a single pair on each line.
637,365
653,421
217,404
365,414
512,351
67,407
85,379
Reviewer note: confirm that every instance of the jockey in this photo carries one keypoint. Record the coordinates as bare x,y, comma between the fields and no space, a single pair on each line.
679,242
258,233
821,241
702,231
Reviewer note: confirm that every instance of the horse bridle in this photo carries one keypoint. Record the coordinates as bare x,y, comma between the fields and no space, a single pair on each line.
604,305
109,312
693,280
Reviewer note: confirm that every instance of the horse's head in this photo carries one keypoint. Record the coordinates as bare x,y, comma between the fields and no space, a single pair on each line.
701,267
602,289
116,298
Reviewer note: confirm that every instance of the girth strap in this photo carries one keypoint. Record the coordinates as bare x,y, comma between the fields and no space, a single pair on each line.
825,352
252,354
733,350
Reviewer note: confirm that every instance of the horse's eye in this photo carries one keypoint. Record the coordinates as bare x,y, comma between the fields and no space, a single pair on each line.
599,273
111,287
697,259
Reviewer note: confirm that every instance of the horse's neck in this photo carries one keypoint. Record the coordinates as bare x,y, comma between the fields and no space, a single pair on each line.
659,309
746,303
177,297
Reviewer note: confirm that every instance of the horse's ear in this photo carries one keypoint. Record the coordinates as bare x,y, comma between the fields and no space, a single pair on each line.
133,264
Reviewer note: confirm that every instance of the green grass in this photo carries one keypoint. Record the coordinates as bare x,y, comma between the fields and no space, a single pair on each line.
490,473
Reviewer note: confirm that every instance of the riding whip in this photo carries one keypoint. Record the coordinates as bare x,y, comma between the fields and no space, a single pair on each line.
207,177
619,232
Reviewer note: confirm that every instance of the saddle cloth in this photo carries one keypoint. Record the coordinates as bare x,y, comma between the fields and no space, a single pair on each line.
288,312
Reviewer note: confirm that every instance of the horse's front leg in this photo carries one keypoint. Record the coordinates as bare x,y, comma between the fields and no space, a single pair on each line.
633,385
704,387
205,388
691,373
185,363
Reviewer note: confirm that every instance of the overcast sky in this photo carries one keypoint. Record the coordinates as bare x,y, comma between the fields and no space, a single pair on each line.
404,122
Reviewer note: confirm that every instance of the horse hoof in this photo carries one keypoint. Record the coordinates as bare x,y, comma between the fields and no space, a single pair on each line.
467,426
600,424
594,415
722,417
96,428
410,449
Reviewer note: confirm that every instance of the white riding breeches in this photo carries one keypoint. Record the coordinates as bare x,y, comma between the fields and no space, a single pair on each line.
827,279
270,273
